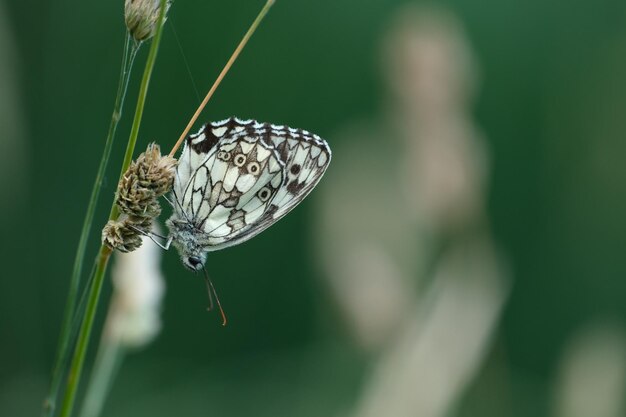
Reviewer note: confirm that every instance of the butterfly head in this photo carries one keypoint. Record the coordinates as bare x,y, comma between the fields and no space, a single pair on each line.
192,257
193,262
185,237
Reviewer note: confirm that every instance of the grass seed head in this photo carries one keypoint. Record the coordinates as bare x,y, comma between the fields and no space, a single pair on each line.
120,235
141,17
148,178
156,171
134,199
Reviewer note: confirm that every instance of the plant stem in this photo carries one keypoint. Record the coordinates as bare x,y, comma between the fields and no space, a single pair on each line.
255,24
141,101
128,57
78,359
108,360
73,377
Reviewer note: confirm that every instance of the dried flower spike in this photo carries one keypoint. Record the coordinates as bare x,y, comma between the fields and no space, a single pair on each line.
141,17
133,199
147,179
124,234
121,235
155,171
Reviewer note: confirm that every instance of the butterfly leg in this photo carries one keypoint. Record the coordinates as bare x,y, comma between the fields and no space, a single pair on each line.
168,242
164,246
151,235
169,201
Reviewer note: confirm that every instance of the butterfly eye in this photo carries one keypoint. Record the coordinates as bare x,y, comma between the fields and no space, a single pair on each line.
223,155
195,262
240,160
264,194
253,168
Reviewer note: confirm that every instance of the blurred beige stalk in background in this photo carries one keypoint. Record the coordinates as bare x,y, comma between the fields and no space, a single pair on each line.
403,234
432,77
592,377
436,354
133,319
134,315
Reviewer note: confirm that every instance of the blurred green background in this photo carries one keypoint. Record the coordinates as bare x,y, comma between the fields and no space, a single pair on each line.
550,103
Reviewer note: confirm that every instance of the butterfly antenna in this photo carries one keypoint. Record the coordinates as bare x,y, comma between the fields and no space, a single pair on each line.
225,70
211,290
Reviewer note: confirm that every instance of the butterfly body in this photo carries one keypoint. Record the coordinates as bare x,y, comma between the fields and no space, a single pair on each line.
235,178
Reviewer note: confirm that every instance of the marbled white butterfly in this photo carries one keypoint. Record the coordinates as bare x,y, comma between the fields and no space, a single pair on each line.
235,178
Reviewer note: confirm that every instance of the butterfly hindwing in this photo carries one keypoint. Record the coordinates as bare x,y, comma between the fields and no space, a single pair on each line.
306,157
236,178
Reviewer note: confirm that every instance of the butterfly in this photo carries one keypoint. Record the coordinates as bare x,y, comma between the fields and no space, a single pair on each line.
235,178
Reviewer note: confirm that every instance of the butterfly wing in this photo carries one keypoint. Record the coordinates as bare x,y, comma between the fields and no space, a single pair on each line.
305,157
236,178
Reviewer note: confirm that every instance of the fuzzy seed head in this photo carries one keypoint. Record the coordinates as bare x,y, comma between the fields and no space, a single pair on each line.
148,178
123,234
118,234
155,171
133,199
141,17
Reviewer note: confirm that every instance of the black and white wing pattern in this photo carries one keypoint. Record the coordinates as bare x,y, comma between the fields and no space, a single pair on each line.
235,178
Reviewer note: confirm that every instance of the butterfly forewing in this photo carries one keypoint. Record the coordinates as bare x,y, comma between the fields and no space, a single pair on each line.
235,178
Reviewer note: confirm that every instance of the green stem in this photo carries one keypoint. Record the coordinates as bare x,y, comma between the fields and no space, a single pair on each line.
128,57
143,91
108,360
76,368
78,359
